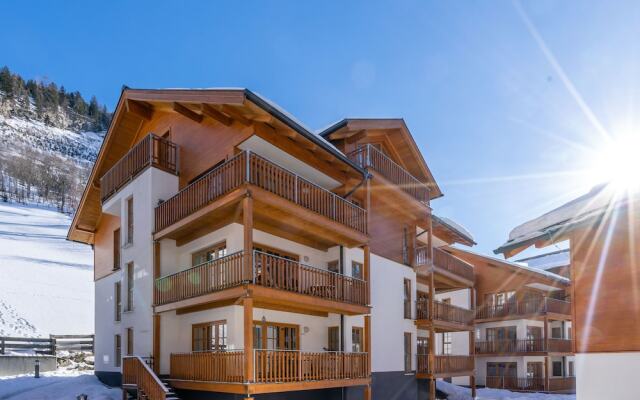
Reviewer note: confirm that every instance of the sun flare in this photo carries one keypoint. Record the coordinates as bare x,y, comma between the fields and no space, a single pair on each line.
618,163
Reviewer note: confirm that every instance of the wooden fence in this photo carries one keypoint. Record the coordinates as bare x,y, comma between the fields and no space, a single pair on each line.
50,345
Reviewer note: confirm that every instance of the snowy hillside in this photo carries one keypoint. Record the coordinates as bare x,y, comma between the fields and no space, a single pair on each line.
46,282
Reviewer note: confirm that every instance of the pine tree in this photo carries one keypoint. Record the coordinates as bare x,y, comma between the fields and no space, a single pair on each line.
6,82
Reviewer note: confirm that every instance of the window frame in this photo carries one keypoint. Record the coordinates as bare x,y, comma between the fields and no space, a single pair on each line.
333,338
117,350
130,278
130,343
117,255
407,298
357,331
357,267
407,352
117,300
216,248
130,215
214,339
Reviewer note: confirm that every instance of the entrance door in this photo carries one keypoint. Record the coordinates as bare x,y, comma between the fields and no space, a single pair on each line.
534,338
275,345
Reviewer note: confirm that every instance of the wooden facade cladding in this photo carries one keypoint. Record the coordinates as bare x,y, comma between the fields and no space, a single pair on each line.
266,271
250,168
151,151
368,156
518,309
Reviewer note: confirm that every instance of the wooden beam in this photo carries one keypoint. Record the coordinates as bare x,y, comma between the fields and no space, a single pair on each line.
247,222
156,343
187,112
214,114
139,108
248,338
235,114
367,341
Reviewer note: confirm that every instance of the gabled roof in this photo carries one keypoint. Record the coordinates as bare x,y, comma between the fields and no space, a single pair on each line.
400,138
514,266
554,259
555,225
454,231
137,105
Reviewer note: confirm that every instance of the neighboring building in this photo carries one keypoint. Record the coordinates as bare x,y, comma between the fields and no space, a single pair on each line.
523,326
249,257
602,229
558,262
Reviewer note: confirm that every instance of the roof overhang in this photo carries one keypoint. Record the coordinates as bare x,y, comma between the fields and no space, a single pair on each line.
401,139
451,233
228,106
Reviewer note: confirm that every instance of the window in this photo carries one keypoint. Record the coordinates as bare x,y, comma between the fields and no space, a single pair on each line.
502,333
423,345
210,253
357,340
129,341
506,369
556,333
334,266
275,336
117,300
334,339
129,286
447,342
117,350
571,369
129,220
209,336
534,369
356,270
407,299
557,368
407,352
116,249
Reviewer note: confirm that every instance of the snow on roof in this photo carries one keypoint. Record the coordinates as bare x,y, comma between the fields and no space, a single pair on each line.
560,258
584,209
519,265
461,230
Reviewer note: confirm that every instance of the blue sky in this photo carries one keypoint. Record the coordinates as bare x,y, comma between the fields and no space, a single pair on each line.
504,99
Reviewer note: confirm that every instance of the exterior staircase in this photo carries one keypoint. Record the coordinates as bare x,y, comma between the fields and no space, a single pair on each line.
141,383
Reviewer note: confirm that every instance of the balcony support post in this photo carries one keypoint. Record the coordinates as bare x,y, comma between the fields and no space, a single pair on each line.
247,222
432,336
472,344
546,373
366,272
247,304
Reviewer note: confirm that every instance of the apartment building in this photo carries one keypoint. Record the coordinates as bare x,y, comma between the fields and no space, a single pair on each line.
601,228
238,253
523,326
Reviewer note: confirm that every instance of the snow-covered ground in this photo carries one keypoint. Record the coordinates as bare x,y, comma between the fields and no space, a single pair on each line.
46,282
455,392
60,385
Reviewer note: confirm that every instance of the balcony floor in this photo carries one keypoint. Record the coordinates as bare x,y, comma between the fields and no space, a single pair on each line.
260,388
272,214
443,326
265,297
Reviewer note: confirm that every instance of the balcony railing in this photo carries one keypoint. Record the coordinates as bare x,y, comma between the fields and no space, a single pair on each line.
532,384
248,167
135,371
525,307
444,312
150,151
268,271
368,156
446,261
445,364
504,346
270,366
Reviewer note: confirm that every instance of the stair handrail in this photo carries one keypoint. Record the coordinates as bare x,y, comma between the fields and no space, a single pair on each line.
152,374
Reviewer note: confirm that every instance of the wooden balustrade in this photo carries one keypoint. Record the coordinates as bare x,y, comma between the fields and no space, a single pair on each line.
444,364
524,307
444,312
285,274
210,366
150,151
565,384
368,156
208,277
451,263
511,346
560,345
279,366
526,384
248,167
268,271
136,372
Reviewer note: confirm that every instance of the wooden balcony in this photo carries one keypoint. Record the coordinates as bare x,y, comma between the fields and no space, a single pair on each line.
152,151
532,384
368,156
524,346
448,266
283,201
444,366
446,317
273,371
556,309
271,273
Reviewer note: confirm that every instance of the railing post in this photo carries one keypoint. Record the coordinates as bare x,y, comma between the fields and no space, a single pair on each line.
248,166
150,148
295,189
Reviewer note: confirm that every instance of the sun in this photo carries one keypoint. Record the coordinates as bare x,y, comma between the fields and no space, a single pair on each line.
618,163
